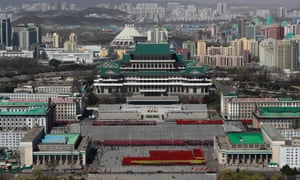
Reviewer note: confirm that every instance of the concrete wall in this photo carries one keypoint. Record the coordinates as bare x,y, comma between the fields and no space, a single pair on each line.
26,153
56,147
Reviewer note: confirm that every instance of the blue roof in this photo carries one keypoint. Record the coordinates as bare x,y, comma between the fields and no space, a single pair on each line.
54,139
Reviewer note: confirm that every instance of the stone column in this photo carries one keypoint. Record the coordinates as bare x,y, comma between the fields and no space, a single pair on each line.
44,160
78,160
60,160
237,161
249,159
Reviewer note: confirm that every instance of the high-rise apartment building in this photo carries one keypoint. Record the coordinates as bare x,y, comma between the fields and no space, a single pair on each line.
221,8
201,48
279,53
71,44
27,37
274,32
55,40
281,12
253,48
157,35
251,31
242,27
191,46
5,32
238,47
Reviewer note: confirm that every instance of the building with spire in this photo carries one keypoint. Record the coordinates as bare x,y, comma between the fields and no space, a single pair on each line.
126,37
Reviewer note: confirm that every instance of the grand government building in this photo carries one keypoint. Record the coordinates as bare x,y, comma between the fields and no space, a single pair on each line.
152,70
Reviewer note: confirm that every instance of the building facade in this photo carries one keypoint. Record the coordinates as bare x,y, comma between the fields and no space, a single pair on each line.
17,118
11,139
27,115
6,32
17,53
27,37
290,154
273,32
152,69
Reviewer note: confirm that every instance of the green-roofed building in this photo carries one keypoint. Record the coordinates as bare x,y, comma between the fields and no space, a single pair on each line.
242,148
280,117
26,115
152,69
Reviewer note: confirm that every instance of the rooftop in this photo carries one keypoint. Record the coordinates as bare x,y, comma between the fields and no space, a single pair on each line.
272,132
245,138
60,139
279,111
30,112
32,134
152,48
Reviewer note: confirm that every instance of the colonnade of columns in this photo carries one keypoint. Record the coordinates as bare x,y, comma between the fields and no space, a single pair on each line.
248,158
57,160
170,89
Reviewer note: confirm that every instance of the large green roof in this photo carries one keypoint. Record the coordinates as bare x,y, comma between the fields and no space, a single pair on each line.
112,68
245,138
30,112
57,138
34,108
23,103
279,111
152,48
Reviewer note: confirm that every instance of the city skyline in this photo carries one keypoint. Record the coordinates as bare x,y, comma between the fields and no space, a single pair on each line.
286,3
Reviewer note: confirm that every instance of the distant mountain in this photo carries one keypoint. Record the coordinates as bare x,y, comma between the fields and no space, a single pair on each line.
90,16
